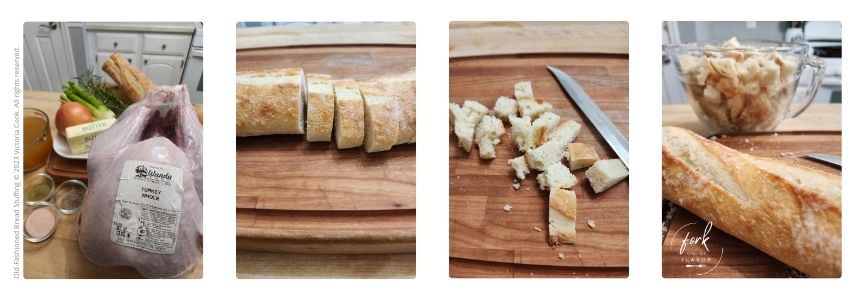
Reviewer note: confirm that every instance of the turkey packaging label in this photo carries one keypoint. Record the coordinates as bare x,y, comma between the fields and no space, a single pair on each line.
147,207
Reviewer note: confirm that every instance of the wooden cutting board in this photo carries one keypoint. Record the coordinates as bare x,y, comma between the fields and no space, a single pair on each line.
300,197
740,259
485,240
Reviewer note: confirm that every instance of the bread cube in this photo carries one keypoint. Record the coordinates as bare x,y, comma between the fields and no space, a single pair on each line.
565,133
520,167
556,176
523,91
547,154
488,134
544,125
606,173
466,118
562,217
505,107
522,133
581,155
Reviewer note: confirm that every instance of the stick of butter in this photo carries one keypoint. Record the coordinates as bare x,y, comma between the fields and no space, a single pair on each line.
81,136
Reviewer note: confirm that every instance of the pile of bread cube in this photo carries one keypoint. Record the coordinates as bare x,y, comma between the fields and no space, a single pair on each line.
545,141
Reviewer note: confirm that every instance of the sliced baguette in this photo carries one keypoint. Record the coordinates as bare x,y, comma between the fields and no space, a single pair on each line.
381,117
348,121
270,102
402,87
319,107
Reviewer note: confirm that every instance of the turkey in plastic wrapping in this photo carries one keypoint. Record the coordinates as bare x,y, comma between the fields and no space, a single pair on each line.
144,202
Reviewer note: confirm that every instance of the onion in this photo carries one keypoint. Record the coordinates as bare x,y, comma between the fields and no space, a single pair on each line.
71,114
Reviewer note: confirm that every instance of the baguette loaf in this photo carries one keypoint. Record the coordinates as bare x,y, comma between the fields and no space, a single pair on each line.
790,212
403,88
134,85
319,107
381,117
348,117
270,102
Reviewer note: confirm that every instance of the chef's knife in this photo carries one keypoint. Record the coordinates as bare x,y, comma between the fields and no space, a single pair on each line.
599,120
826,158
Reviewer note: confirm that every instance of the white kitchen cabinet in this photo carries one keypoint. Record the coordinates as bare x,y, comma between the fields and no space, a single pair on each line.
47,56
163,68
158,50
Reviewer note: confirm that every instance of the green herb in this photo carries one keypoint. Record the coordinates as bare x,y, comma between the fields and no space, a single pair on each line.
93,84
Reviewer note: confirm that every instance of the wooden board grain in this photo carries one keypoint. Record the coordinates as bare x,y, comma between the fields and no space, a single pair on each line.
327,34
469,39
307,198
256,265
740,259
482,234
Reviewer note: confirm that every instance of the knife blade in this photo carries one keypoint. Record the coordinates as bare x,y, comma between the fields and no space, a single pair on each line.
826,158
599,120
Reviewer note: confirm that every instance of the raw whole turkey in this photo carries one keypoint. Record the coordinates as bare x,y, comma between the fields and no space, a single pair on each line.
144,202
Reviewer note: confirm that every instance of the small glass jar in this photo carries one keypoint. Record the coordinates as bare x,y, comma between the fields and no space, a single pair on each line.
38,188
69,196
40,222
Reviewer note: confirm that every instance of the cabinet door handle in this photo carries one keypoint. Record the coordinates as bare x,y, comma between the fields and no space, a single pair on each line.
163,47
145,61
129,60
49,26
115,44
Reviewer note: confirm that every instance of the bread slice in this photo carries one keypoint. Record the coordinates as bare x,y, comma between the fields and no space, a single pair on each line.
381,117
604,174
270,102
319,107
487,135
556,176
403,87
563,217
348,121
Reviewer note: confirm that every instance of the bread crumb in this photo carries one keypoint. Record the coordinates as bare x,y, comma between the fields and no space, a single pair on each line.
747,141
561,255
458,176
713,138
507,207
775,134
538,229
516,186
591,223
